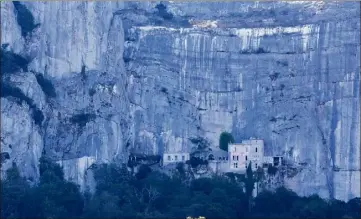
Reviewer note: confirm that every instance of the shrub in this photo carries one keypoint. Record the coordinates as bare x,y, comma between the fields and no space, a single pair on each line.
272,170
24,18
82,73
274,76
162,11
196,161
201,143
38,116
46,85
180,168
260,50
143,171
164,90
12,62
82,119
91,92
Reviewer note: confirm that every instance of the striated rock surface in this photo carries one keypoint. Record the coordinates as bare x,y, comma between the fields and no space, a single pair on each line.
152,77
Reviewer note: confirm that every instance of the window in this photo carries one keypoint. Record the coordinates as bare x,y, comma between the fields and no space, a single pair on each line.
235,165
237,157
256,165
175,157
246,157
219,158
234,157
256,149
183,158
168,157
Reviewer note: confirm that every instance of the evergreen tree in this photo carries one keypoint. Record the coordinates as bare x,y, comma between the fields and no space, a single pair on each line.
249,185
224,139
157,195
58,197
13,191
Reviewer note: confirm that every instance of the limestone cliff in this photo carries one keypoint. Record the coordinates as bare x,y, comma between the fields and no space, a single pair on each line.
152,76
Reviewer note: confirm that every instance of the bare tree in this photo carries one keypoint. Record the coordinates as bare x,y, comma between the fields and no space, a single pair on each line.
146,196
152,194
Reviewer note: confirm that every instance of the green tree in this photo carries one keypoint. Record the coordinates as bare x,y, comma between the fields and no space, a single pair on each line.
249,185
143,171
103,205
264,203
224,139
202,185
157,195
337,209
13,191
58,198
249,180
354,206
314,207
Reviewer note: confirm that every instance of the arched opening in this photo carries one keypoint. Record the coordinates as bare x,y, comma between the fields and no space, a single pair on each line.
211,157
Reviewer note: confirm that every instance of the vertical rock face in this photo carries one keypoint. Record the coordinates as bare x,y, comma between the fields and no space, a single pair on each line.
78,47
294,84
152,77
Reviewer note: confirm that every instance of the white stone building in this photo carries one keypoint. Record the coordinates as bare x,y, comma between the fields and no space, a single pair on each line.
218,161
273,161
175,157
240,155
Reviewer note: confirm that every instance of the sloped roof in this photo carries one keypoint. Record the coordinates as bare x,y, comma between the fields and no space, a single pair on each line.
219,153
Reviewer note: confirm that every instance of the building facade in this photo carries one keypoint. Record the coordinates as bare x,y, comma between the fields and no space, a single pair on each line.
240,155
218,161
255,152
175,158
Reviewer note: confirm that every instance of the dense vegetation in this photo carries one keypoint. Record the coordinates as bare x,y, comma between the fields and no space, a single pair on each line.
154,195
